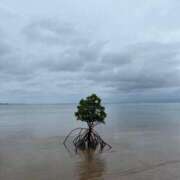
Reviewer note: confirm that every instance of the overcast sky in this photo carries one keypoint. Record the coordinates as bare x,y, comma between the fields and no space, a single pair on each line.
54,51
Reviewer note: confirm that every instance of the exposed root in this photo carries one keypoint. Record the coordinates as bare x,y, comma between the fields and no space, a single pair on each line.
87,139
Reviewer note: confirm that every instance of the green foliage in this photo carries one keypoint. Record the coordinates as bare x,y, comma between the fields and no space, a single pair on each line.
90,110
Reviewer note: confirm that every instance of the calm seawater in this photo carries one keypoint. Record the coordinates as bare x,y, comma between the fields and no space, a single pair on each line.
145,140
57,120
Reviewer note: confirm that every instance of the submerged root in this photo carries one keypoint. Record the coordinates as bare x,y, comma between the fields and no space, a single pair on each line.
87,139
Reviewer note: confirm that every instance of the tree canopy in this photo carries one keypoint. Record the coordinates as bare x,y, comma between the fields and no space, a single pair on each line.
90,110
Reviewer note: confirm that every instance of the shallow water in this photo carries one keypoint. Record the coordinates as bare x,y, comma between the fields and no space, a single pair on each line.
145,140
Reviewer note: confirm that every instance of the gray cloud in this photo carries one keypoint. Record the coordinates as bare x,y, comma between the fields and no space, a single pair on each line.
4,49
62,62
72,52
53,32
116,58
149,65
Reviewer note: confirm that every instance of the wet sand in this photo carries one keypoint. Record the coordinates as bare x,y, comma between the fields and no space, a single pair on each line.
135,155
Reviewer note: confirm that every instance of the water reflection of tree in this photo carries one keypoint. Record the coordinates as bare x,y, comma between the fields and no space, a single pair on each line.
91,166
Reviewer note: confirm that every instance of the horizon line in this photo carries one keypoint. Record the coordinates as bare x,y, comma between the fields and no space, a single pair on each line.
64,103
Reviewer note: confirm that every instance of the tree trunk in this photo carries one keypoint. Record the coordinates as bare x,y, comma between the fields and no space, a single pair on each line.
89,136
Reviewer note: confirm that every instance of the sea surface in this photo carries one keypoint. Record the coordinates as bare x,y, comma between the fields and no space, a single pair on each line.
145,140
